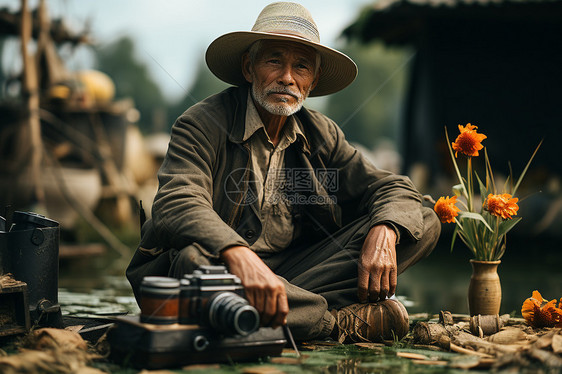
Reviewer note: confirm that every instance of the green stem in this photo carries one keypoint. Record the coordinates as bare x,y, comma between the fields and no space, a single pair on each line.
495,242
469,184
455,162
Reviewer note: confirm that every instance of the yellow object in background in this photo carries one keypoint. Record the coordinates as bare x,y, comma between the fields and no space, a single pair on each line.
59,92
97,86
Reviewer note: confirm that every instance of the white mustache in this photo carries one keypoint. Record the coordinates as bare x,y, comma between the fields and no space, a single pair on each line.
285,92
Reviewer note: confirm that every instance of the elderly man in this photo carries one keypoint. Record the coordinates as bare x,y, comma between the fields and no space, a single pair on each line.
272,190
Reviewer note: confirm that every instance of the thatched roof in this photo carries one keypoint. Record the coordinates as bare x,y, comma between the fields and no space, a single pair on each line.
400,21
60,33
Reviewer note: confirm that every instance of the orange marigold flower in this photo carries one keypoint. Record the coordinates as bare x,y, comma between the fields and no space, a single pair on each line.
446,209
468,141
503,205
538,315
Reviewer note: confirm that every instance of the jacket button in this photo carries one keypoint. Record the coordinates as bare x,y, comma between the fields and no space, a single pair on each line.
250,234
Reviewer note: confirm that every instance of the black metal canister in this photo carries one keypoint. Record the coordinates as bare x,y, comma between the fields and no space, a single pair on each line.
32,251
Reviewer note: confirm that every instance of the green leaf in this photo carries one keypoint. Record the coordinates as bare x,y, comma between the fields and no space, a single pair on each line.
489,172
469,237
507,225
454,160
458,190
483,189
525,170
475,216
455,231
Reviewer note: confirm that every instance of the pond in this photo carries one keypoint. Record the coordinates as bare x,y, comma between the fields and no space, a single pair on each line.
97,286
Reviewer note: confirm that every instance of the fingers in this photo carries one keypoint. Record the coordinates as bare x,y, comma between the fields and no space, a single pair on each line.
269,308
260,302
374,288
268,312
282,311
385,284
264,290
271,303
382,284
393,282
377,275
363,284
276,307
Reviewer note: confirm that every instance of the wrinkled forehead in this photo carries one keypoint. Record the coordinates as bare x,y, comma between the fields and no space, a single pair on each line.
282,47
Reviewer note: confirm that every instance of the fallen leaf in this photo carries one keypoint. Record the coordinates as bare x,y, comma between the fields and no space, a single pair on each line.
465,362
285,360
201,367
507,336
74,328
262,370
46,338
430,362
88,370
370,345
288,351
557,343
486,363
411,356
544,341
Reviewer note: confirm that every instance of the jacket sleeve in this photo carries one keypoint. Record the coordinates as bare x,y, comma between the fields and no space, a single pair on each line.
389,198
182,212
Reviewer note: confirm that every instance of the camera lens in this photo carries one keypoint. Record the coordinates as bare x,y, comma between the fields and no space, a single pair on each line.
230,314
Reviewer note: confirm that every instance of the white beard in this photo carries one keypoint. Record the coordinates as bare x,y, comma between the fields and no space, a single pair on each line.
281,108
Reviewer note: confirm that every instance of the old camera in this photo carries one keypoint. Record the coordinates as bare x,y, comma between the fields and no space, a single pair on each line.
210,297
201,318
213,297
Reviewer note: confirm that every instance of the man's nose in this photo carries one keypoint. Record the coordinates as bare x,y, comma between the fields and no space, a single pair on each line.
286,76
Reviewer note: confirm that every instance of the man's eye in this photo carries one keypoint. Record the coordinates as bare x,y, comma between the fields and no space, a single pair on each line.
273,61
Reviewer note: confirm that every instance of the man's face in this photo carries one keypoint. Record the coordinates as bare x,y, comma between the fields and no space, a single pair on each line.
282,76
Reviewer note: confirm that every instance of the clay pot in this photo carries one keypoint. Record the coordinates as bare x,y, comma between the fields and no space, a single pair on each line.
484,291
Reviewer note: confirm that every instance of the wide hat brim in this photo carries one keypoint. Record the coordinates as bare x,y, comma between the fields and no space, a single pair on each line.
224,59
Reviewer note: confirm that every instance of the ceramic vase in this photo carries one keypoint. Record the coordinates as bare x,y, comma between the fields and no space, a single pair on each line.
484,291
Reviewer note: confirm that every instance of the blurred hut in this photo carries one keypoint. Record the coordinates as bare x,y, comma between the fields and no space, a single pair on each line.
67,147
493,63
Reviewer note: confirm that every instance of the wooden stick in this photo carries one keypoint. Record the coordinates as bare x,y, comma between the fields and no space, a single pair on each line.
459,349
31,96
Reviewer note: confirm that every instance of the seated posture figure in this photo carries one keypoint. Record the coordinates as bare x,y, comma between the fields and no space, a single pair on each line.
255,181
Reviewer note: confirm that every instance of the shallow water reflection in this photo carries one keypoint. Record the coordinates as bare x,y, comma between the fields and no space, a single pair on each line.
439,282
97,286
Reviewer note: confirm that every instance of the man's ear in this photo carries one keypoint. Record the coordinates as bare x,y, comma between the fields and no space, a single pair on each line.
247,67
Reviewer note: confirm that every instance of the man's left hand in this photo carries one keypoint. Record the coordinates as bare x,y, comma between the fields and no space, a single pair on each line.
377,272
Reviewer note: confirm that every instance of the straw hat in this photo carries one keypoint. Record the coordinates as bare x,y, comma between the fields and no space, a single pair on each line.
280,21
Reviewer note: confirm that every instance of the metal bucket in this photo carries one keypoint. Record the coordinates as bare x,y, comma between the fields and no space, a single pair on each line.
29,249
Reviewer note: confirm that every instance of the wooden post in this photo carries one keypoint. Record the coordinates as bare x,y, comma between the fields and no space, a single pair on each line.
30,90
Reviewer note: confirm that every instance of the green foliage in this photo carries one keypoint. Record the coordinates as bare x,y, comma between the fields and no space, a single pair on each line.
206,84
132,78
370,108
367,110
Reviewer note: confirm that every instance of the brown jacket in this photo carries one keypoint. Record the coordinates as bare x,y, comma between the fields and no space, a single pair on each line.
205,184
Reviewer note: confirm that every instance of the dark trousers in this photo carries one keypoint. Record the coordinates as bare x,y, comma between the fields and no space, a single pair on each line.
324,276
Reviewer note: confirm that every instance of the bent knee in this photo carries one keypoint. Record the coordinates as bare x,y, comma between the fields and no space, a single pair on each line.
432,230
186,260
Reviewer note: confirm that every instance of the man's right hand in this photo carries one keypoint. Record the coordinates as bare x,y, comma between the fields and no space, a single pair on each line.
263,288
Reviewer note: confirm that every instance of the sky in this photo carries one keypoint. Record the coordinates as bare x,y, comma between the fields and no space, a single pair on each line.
171,35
